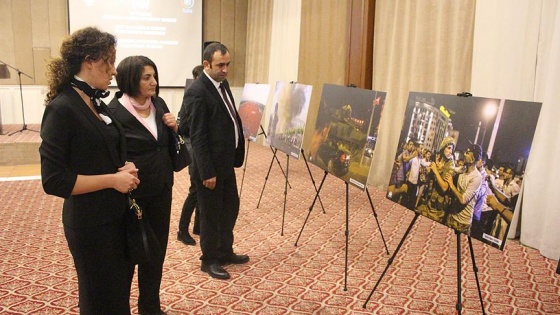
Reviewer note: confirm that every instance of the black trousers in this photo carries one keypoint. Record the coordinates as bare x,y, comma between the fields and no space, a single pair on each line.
157,211
189,206
104,273
219,208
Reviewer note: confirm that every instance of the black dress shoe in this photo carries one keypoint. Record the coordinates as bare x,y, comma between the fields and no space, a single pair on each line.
215,271
142,311
185,238
234,259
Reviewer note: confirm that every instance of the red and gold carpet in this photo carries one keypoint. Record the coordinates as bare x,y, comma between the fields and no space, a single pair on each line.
37,275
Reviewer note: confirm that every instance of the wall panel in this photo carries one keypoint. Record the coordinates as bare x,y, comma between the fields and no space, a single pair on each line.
23,39
323,50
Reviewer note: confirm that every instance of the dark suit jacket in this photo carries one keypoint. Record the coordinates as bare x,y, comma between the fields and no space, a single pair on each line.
151,156
211,130
76,142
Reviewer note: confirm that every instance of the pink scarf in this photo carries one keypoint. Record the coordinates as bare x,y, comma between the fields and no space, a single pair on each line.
130,104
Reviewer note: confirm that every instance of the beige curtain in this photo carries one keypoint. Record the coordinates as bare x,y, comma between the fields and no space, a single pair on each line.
518,57
259,26
421,46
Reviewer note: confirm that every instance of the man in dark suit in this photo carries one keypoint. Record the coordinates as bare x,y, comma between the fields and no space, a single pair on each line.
218,147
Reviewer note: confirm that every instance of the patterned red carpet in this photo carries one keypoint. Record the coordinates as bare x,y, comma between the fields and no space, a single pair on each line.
37,276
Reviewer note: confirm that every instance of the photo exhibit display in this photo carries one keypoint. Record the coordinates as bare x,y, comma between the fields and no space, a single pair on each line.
286,122
460,161
251,108
345,132
167,32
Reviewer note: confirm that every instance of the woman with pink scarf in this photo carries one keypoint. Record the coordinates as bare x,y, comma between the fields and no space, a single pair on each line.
149,128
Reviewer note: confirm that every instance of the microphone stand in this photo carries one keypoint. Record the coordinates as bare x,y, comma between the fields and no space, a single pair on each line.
19,72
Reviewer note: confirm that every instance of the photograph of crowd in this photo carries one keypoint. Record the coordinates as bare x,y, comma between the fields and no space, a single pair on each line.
345,132
286,123
461,160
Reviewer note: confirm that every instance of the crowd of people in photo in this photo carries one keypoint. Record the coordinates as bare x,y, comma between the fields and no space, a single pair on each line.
464,190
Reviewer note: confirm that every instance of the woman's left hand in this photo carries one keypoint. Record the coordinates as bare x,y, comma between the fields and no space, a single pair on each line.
170,121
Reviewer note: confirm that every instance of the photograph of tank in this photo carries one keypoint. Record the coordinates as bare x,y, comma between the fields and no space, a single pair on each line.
251,108
286,122
460,161
345,132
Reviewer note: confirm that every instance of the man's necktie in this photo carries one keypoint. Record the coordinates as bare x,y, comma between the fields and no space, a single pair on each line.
231,110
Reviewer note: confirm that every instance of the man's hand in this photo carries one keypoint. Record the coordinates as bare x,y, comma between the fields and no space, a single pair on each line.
209,183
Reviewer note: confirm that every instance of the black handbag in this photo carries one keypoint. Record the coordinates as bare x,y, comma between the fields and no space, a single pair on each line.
179,154
142,242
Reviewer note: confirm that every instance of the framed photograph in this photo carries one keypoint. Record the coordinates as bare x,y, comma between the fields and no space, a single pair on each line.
251,108
288,116
345,132
460,161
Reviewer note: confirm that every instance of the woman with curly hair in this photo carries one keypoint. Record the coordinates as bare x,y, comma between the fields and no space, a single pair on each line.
83,161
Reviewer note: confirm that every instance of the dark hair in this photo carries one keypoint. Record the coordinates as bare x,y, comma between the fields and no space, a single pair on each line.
196,71
489,163
211,49
85,44
129,74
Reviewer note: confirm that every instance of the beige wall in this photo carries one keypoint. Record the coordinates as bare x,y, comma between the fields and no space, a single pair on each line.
31,32
323,51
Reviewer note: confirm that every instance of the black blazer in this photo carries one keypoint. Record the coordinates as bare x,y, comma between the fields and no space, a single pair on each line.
75,141
211,129
151,156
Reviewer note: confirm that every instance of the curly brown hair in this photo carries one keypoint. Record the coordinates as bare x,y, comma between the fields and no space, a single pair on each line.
85,44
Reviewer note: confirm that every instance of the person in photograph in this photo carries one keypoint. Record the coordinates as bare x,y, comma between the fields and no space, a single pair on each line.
433,206
423,175
466,190
499,181
149,128
191,202
83,160
397,183
412,177
481,210
218,148
506,197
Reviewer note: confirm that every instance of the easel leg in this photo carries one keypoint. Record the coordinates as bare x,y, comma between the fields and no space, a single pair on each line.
285,192
244,168
266,177
475,269
346,233
376,220
311,207
459,305
392,257
312,180
274,152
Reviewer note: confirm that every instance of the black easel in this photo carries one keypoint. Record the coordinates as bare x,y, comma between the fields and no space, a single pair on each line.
458,305
19,72
346,232
286,187
313,181
274,157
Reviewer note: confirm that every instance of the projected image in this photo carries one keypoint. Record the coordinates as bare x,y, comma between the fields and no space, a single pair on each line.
168,32
251,108
288,116
345,132
461,160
